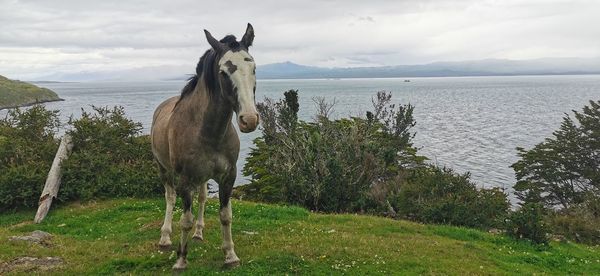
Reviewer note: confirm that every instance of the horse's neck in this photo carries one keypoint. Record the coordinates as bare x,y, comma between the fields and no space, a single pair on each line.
211,113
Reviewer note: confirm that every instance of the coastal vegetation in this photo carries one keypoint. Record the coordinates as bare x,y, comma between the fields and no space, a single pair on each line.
364,165
27,148
15,93
560,177
368,165
351,168
110,158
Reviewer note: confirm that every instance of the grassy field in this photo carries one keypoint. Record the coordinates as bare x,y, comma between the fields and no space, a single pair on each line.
17,93
120,236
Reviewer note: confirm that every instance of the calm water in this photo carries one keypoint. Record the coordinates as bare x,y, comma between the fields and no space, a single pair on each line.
468,123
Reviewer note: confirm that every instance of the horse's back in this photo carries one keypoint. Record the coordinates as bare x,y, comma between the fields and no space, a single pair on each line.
159,131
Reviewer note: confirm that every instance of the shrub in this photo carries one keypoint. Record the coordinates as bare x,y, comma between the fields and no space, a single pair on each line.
327,165
439,195
27,148
563,174
579,223
109,158
528,223
360,165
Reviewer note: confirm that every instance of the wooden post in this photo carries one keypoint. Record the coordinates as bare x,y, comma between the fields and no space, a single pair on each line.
53,181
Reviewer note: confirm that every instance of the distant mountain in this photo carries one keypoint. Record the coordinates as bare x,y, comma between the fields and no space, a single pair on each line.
287,69
487,67
290,70
15,93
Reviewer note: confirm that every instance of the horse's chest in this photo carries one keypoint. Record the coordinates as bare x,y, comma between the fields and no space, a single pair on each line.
205,166
200,158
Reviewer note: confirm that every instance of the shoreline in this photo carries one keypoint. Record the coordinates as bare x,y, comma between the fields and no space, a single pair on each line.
31,103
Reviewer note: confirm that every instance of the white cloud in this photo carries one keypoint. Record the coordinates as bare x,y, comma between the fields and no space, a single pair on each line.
72,36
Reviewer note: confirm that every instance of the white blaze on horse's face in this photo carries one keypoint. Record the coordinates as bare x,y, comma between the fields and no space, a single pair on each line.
240,68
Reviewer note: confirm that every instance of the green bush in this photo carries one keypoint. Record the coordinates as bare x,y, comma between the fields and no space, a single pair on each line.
109,158
580,223
563,174
360,165
327,165
528,223
27,148
439,195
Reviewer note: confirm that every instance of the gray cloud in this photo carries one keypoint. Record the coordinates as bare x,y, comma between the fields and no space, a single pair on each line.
70,36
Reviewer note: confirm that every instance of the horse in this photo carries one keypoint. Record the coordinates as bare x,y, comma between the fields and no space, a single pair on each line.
194,140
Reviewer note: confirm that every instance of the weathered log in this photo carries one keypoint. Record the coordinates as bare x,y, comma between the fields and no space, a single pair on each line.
53,181
391,212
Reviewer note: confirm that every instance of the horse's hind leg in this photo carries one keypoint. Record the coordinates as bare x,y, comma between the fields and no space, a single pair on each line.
170,196
201,203
186,223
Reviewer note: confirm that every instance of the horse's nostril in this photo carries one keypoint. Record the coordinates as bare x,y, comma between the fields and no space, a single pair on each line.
242,120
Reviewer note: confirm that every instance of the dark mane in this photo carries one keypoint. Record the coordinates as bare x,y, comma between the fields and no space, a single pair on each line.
205,68
189,87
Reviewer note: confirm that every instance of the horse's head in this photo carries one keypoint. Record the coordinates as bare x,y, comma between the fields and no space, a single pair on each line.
237,76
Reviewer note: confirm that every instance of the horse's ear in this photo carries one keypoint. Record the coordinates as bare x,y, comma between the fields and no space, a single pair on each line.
214,43
248,36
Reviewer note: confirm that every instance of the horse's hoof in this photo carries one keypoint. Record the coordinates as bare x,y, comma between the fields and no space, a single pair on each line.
164,247
231,264
179,269
180,265
198,238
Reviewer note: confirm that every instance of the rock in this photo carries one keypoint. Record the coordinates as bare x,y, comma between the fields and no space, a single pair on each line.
37,236
29,264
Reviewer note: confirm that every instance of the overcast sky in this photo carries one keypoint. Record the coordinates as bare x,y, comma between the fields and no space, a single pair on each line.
42,38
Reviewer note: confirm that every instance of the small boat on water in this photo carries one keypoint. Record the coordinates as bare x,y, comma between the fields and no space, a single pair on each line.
406,80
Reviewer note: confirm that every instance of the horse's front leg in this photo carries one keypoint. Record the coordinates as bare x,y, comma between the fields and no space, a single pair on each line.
186,223
166,229
202,192
170,196
225,214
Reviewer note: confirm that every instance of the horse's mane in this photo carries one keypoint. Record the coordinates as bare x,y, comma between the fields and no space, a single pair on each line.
205,69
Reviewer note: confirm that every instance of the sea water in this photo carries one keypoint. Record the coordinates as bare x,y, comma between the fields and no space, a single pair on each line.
471,124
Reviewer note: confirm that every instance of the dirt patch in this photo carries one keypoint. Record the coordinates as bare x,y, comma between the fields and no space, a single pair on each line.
31,264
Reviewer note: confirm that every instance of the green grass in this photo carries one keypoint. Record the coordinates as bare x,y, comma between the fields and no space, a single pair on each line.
17,93
120,236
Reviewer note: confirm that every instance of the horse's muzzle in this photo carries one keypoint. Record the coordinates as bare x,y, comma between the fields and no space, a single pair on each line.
248,122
